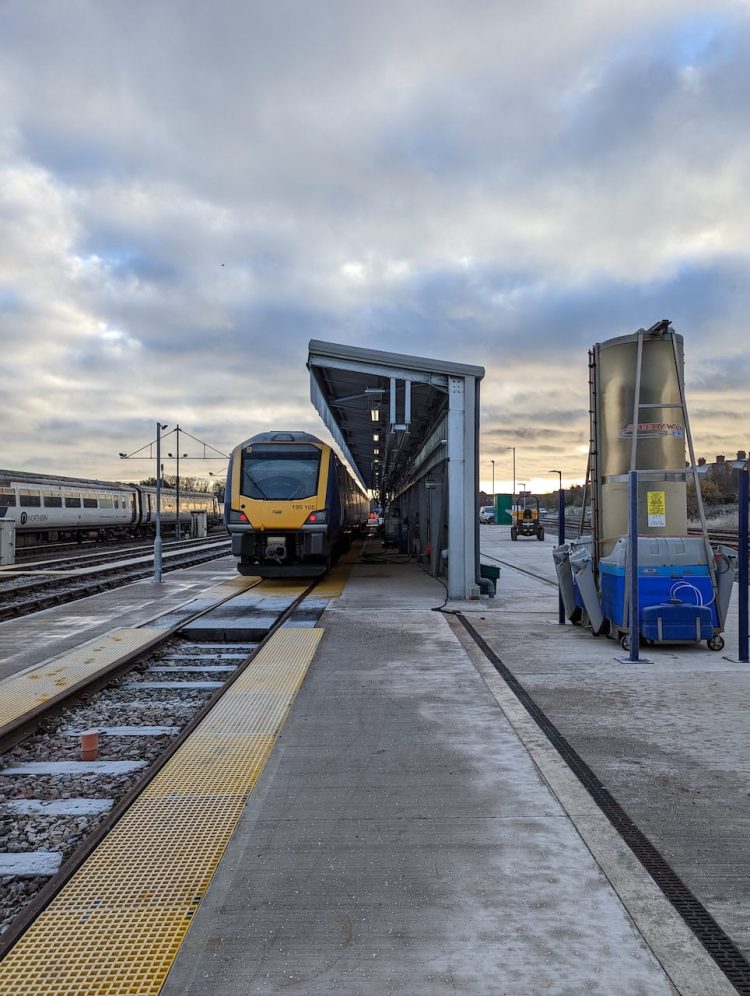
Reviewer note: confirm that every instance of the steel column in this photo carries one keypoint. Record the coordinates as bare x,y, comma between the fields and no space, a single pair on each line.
157,537
560,541
742,562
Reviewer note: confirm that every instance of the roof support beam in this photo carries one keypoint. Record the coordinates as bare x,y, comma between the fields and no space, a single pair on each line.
427,426
419,377
320,404
461,496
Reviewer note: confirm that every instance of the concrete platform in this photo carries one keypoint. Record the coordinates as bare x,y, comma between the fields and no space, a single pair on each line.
249,618
671,740
413,831
31,640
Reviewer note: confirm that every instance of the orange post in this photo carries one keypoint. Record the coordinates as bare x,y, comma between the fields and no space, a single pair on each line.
90,745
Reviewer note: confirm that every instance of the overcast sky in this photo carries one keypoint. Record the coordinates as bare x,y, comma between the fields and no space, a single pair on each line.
190,191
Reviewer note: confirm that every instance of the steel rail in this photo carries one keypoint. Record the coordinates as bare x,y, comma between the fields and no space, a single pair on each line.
90,557
26,724
48,892
99,582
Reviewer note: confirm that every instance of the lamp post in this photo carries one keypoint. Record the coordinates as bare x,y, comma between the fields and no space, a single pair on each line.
157,537
560,538
177,484
514,468
157,522
493,482
137,455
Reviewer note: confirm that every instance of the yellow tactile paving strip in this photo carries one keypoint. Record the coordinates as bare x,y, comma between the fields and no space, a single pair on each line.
331,586
334,582
20,693
118,924
230,587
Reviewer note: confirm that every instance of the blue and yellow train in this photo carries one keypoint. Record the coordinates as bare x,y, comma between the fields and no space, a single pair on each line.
291,506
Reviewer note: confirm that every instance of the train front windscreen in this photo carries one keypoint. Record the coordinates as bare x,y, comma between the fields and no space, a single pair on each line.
280,473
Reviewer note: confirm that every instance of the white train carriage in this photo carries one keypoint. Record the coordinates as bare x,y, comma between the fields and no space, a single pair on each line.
190,501
50,509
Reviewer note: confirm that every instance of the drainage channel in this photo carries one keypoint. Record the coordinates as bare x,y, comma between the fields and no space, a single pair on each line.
57,804
717,943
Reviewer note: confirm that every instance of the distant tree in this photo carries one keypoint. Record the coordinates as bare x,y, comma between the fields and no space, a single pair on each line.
710,492
186,483
574,495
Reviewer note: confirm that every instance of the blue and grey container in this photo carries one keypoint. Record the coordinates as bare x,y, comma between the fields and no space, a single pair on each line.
676,597
677,600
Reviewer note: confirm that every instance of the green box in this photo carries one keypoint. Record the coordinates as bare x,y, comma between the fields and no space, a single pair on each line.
491,572
503,506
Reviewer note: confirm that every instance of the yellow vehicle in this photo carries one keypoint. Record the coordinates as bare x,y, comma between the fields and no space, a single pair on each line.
525,518
291,506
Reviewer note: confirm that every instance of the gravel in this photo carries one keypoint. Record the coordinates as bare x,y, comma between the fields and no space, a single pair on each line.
124,703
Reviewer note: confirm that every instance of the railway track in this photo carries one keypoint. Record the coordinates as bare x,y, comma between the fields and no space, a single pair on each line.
71,549
73,556
728,537
21,595
55,807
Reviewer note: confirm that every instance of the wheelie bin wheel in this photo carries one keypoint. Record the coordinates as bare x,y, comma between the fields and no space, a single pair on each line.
715,643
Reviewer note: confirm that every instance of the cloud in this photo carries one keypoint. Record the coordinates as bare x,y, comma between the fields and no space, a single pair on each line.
188,194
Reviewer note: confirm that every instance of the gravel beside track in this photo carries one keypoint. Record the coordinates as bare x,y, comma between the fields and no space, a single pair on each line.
22,596
125,703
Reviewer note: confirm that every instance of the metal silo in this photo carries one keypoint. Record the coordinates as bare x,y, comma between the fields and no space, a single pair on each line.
655,581
638,423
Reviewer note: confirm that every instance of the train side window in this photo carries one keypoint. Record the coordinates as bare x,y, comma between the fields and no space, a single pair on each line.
89,499
7,498
29,498
105,500
72,499
53,499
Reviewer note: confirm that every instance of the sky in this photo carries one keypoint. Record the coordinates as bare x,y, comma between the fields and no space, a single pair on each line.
191,191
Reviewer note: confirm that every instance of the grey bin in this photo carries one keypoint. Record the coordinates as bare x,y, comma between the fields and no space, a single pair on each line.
491,572
561,557
582,566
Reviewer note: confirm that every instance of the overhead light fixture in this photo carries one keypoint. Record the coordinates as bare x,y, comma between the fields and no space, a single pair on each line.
376,451
375,414
376,437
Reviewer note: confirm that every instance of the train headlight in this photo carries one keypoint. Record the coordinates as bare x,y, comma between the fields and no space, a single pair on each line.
317,518
235,515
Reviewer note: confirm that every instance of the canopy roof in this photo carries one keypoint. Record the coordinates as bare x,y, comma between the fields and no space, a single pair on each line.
363,393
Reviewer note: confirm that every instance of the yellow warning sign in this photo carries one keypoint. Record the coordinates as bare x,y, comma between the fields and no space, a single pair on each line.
656,503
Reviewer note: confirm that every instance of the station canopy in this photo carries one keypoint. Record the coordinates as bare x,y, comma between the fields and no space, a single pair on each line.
382,408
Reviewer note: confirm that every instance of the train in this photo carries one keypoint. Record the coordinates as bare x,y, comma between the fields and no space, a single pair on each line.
291,506
51,509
